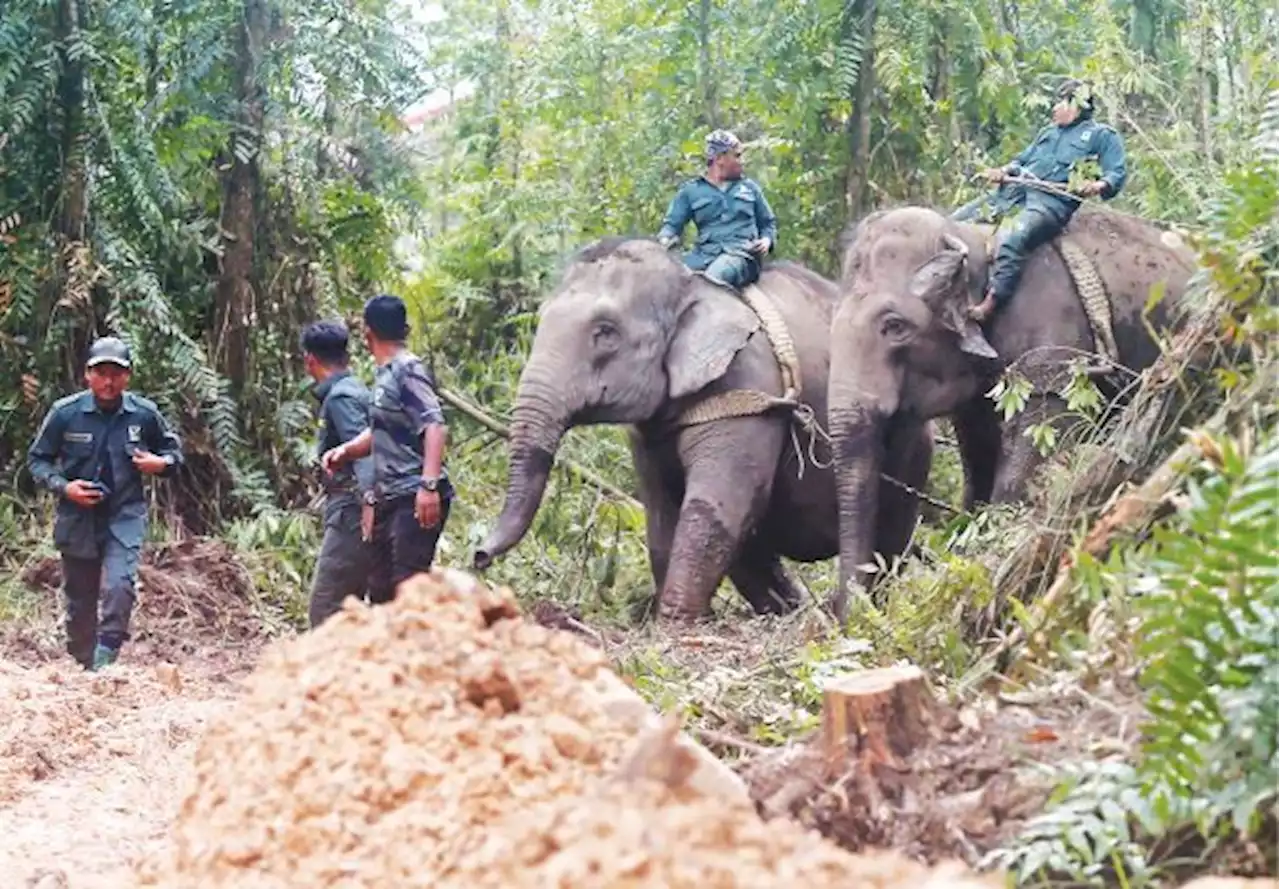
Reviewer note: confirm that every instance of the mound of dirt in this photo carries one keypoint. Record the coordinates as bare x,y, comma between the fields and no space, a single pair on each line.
189,592
445,741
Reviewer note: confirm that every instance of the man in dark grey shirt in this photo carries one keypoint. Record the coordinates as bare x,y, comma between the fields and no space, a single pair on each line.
342,568
406,436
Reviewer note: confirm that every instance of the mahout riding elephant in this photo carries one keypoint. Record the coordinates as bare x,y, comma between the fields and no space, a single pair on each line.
631,336
905,350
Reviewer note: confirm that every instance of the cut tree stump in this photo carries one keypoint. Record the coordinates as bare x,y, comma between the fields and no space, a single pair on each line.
875,717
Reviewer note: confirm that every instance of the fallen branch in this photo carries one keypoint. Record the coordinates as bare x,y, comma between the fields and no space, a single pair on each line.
1130,513
498,428
712,738
1147,417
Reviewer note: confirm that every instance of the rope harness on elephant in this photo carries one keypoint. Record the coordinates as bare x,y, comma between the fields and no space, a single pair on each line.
1089,288
753,402
1093,296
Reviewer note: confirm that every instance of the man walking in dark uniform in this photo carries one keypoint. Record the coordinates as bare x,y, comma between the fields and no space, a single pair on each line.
411,488
342,568
91,451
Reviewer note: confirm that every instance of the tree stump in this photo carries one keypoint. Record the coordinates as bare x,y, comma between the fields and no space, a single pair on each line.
875,717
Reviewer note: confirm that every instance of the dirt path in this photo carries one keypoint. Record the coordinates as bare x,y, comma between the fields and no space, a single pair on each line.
93,767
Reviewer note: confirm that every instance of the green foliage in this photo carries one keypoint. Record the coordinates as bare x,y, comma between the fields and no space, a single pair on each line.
1210,612
145,97
1206,625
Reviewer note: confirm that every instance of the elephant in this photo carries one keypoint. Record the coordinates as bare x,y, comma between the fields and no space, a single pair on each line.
904,349
631,336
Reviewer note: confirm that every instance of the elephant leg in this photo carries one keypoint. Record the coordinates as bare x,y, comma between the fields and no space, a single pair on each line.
728,482
978,436
908,456
660,493
763,582
1020,458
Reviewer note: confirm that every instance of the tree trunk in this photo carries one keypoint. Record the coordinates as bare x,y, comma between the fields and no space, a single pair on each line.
234,297
859,26
72,286
940,82
706,73
875,717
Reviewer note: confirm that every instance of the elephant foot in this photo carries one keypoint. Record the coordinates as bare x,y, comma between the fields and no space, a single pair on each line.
680,611
766,585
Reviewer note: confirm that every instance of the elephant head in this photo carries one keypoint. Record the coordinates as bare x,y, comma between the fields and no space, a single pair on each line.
902,347
628,330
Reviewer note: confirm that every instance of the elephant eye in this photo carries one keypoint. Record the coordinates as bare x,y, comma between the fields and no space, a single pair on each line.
894,327
604,336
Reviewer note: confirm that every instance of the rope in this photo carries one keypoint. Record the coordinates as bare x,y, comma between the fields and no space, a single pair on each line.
1093,296
775,328
734,403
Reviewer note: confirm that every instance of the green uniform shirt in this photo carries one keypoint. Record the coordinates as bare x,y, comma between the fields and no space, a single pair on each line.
344,414
78,441
727,219
1054,152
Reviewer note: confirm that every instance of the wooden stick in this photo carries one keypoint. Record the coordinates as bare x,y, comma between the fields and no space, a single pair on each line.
493,425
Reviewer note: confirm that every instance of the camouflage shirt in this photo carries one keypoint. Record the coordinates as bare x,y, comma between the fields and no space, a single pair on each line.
404,405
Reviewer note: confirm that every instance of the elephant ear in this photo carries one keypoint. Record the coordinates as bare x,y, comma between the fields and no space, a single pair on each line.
710,330
943,284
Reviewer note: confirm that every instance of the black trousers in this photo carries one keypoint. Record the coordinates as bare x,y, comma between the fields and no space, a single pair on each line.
108,579
401,547
342,568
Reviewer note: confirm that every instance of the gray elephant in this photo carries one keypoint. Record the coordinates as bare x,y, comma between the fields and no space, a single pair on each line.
631,336
904,349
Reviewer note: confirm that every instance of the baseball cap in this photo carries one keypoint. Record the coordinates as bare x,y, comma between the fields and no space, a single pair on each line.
108,350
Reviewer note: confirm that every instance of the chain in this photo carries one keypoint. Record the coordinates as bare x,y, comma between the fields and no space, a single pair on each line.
933,501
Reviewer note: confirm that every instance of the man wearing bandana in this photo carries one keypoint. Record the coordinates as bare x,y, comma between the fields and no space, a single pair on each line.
736,228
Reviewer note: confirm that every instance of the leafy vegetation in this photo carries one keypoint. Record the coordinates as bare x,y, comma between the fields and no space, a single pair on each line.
204,178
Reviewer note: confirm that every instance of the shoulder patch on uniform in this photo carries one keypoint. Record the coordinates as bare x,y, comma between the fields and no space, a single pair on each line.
143,402
66,400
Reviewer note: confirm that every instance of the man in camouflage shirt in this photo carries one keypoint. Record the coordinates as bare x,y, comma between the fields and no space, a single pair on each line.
411,489
736,227
342,568
91,451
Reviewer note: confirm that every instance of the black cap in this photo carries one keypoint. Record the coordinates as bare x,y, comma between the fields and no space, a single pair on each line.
384,315
108,350
1080,90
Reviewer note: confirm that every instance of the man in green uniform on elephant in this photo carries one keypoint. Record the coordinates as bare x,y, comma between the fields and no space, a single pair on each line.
736,227
1073,136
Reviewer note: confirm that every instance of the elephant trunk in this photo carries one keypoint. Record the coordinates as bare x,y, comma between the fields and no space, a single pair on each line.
857,433
539,422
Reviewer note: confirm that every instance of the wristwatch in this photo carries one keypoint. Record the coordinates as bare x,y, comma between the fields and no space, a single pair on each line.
429,484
